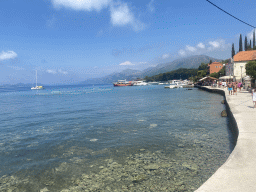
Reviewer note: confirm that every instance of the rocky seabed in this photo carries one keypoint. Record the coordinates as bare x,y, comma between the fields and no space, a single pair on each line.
184,168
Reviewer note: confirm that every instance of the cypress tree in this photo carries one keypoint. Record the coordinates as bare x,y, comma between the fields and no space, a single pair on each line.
245,43
233,50
240,43
253,43
250,44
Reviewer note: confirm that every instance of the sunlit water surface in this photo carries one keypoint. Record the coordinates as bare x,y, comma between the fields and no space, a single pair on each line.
105,138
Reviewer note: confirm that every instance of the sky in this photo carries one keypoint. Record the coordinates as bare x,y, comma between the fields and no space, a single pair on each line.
68,41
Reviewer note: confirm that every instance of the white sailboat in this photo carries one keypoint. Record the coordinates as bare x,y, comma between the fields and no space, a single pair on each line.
37,87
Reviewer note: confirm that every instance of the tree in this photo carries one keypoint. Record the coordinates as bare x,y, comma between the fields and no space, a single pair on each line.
245,43
210,62
251,69
240,43
253,43
201,73
215,75
233,50
203,66
222,71
250,44
225,61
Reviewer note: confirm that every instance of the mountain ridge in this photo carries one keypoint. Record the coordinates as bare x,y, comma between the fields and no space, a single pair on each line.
131,74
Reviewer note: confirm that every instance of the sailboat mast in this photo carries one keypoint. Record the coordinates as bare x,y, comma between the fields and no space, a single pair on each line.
36,78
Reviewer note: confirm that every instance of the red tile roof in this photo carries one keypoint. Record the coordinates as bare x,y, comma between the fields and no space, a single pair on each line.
214,63
245,56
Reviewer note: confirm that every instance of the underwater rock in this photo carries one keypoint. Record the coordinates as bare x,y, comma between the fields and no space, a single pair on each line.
139,178
181,145
224,113
192,167
44,190
151,167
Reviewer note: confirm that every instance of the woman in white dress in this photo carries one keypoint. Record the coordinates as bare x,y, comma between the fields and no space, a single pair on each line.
254,97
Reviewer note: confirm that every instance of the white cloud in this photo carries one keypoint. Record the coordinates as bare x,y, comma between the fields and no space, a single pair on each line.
165,56
16,67
150,6
182,52
7,55
203,48
59,71
62,72
214,44
86,5
250,35
190,48
120,13
217,44
51,71
201,45
126,63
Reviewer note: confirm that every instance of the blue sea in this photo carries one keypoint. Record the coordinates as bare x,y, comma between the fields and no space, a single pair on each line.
105,138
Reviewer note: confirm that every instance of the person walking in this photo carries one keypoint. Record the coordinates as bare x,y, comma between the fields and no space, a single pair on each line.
224,84
235,88
239,85
254,97
230,88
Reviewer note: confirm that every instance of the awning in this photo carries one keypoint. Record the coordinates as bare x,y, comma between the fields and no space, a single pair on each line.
226,77
208,78
202,79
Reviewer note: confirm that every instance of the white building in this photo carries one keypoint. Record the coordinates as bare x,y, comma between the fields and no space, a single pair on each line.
239,62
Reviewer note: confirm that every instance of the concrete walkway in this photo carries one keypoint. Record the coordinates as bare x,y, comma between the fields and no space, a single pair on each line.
238,173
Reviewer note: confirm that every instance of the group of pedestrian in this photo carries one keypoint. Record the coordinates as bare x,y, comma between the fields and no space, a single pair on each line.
232,90
233,86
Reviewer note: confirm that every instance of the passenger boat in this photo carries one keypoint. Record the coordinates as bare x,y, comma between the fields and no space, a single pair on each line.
121,83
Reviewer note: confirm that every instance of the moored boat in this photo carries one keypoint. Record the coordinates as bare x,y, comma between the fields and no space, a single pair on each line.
37,86
139,83
122,83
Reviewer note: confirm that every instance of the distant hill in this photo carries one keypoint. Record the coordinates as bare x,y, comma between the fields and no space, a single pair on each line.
188,62
130,74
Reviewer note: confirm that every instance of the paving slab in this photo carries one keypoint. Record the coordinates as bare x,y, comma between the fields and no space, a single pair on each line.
238,173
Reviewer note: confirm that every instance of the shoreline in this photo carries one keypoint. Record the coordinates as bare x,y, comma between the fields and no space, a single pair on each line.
238,173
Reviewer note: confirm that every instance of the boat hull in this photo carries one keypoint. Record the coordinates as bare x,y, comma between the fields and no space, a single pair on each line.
122,85
37,87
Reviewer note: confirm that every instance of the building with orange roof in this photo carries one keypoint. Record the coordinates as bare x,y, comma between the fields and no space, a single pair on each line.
240,60
214,67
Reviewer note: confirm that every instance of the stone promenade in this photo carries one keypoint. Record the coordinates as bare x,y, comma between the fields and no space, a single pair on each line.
238,173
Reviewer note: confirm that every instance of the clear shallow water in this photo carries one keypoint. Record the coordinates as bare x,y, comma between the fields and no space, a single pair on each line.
104,138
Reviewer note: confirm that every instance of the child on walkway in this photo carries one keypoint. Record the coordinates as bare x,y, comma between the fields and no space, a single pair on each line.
254,97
